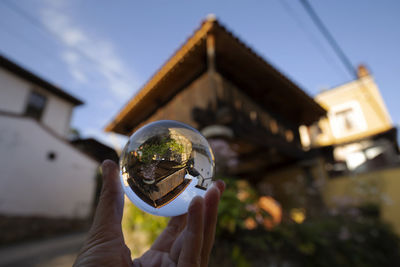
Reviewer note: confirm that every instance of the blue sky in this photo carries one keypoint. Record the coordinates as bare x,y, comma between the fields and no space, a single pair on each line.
127,41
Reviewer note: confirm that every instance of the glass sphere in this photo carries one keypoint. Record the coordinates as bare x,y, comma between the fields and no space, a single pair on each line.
164,165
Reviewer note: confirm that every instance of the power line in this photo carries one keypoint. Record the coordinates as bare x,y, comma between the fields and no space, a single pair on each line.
342,56
317,44
22,39
38,24
324,30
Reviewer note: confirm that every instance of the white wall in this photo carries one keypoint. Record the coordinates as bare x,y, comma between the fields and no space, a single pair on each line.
57,115
30,184
14,92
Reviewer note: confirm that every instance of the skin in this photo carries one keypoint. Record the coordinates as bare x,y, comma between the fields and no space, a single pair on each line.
186,241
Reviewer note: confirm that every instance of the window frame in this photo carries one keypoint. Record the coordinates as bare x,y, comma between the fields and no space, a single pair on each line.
338,130
32,109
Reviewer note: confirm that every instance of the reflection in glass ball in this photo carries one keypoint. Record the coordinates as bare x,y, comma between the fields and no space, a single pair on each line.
164,165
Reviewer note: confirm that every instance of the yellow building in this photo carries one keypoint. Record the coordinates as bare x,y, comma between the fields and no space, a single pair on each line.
364,167
355,110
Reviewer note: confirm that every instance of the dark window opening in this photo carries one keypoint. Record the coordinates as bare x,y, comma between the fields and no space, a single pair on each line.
35,105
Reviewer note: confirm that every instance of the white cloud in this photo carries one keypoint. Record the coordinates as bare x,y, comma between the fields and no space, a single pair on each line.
84,53
72,59
108,104
78,75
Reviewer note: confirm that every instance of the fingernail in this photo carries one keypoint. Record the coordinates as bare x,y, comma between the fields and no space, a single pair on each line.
223,186
105,167
220,185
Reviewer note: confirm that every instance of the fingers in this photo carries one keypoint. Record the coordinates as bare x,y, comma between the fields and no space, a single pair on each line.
177,248
170,233
211,200
220,185
193,235
110,208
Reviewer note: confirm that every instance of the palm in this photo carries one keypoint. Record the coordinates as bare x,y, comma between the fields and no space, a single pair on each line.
160,254
111,252
181,243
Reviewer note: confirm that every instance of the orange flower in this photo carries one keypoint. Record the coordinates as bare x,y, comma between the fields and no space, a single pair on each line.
250,223
273,208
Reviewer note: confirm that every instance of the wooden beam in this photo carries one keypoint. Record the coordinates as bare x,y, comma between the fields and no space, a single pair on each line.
211,52
210,46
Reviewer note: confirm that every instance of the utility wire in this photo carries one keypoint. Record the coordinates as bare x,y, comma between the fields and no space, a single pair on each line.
21,39
345,60
317,44
318,22
11,5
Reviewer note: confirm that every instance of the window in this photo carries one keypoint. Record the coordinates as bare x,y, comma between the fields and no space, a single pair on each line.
35,105
347,119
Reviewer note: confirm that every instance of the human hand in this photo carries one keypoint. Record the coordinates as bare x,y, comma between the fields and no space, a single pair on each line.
186,241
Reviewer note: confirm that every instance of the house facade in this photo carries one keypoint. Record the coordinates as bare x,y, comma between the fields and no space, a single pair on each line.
364,165
355,110
42,174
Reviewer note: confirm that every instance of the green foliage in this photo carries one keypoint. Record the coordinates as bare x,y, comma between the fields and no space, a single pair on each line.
137,220
342,240
232,210
238,258
333,241
161,147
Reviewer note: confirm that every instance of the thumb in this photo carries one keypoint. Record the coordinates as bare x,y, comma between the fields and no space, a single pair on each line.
109,211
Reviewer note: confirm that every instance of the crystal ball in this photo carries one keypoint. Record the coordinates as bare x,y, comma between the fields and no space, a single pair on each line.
164,165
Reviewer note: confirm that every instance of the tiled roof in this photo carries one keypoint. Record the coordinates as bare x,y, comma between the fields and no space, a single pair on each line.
235,61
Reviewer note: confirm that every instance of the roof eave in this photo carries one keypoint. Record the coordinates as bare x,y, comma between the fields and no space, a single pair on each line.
199,35
33,78
117,124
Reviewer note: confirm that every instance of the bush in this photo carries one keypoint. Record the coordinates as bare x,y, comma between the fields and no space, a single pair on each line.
333,241
340,240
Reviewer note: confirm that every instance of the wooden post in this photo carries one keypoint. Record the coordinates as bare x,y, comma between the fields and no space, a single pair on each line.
211,52
211,67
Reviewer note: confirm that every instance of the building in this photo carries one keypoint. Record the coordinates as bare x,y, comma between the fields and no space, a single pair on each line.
42,174
358,126
218,85
364,164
